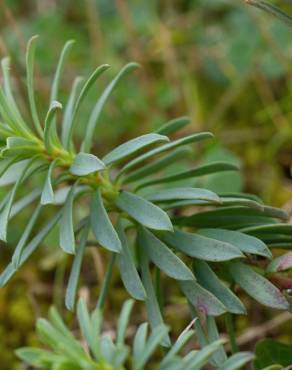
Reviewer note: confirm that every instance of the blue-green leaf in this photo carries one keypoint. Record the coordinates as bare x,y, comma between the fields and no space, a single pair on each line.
132,146
159,164
68,113
167,195
144,212
101,225
191,173
93,119
257,286
245,243
85,163
205,302
49,133
152,305
30,57
75,270
48,192
123,321
70,121
16,258
209,280
5,213
201,247
173,125
60,66
164,148
67,238
140,341
162,256
29,249
128,271
237,361
203,355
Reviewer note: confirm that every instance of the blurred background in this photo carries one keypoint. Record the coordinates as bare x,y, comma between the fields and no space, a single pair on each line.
226,65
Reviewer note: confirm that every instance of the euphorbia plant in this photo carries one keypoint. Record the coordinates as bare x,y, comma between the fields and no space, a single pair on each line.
102,352
134,210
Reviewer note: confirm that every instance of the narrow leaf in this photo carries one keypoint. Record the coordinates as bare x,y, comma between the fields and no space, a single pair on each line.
93,119
237,361
23,202
132,146
128,271
152,305
183,193
245,243
191,173
227,218
85,163
101,225
139,341
68,113
144,212
284,229
205,302
162,256
60,66
124,321
71,290
12,106
155,338
157,165
29,249
173,125
164,148
257,286
209,280
203,355
84,320
16,258
5,213
48,192
201,247
176,347
70,122
67,238
49,125
30,57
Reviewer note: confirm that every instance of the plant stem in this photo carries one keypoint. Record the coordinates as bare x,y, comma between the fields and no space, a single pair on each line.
106,283
229,323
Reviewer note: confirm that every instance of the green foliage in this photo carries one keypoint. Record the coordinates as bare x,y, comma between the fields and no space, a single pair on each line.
191,234
101,187
106,353
271,354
